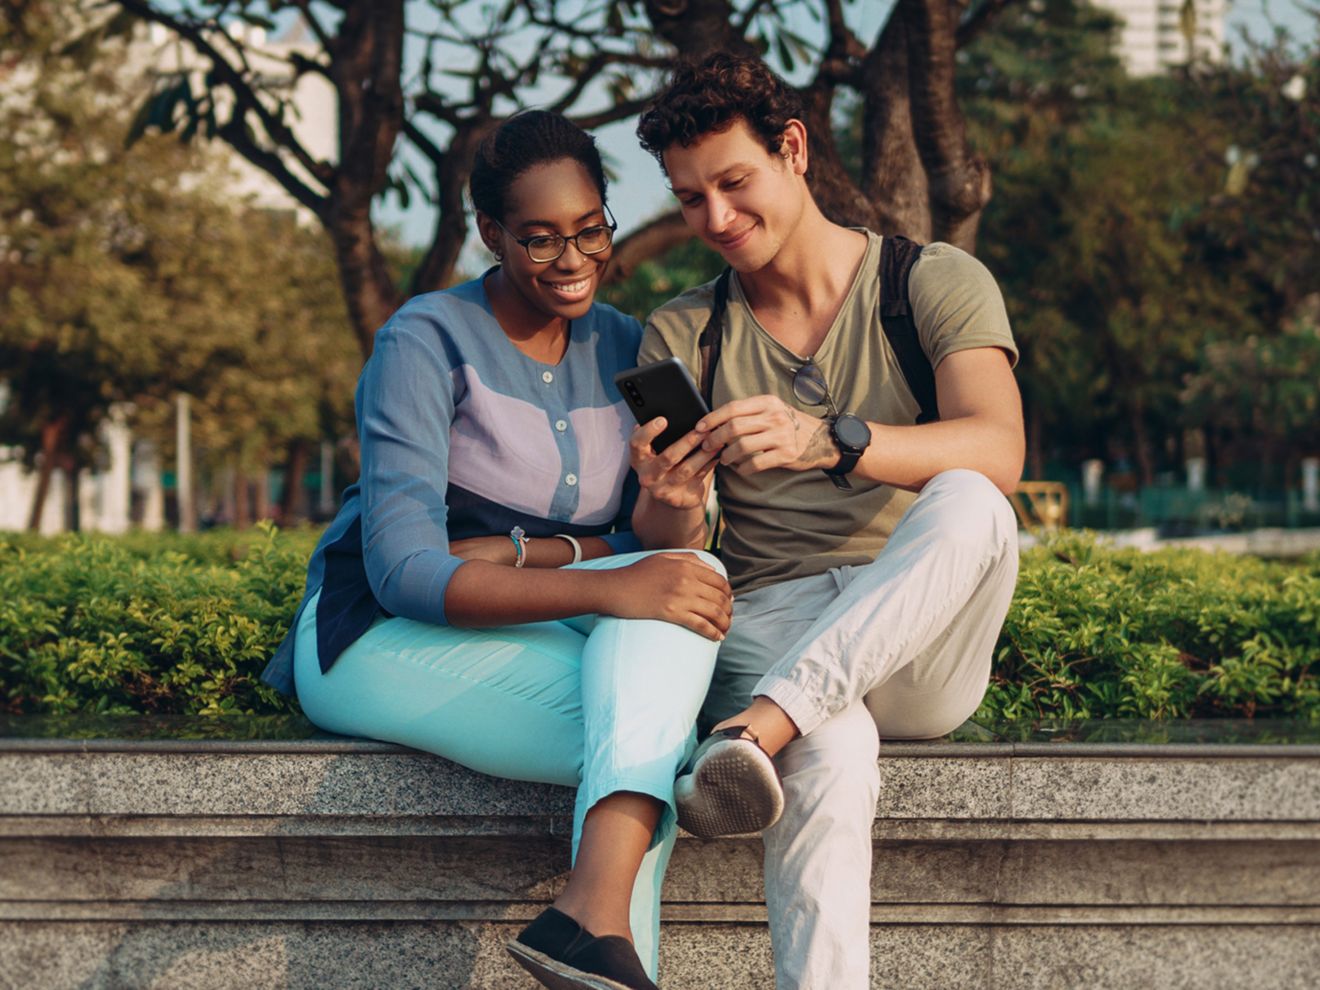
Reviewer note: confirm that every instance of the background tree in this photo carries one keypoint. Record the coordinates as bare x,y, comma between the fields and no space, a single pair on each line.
594,60
129,277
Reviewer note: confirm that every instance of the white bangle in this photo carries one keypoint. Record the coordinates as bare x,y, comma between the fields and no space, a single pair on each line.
577,547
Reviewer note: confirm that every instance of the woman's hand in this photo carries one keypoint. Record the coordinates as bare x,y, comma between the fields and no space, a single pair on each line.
493,549
674,587
678,476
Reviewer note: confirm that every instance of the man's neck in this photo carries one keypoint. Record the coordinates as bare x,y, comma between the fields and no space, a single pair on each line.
797,296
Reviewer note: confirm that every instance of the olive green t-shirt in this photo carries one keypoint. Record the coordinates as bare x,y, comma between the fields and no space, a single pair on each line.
782,524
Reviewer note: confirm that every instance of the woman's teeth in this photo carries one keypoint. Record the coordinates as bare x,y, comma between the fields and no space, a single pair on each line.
570,288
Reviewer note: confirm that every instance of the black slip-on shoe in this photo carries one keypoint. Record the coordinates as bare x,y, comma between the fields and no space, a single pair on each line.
729,787
563,955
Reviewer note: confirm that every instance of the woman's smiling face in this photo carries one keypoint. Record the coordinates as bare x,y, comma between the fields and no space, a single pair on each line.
556,197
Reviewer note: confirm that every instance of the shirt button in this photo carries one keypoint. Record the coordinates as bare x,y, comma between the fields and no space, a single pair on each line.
570,480
561,425
547,377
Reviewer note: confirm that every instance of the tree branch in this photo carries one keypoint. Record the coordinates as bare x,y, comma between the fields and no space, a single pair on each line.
244,95
649,241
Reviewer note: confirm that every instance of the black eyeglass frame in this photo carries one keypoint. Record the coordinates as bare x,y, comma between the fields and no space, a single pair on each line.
526,242
810,373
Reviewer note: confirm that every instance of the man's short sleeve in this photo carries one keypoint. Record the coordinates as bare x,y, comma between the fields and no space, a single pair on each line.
673,329
957,305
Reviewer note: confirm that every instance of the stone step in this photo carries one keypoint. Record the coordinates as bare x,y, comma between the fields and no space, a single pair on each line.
321,862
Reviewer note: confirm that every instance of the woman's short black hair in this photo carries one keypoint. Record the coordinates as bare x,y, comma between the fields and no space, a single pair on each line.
525,140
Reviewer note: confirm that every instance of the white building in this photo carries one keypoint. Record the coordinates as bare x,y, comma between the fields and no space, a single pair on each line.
1155,33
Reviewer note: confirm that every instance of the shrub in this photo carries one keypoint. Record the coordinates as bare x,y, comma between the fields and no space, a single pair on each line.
146,623
184,625
1097,633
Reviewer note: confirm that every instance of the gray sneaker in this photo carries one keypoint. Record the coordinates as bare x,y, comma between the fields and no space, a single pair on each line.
729,787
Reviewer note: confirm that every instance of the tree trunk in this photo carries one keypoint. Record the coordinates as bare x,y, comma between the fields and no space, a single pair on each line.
242,500
291,500
1141,441
52,441
367,70
959,181
261,495
72,499
892,177
1035,445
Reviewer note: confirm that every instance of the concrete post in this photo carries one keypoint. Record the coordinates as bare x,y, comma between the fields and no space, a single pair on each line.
184,476
1196,474
1092,472
146,479
1311,484
116,484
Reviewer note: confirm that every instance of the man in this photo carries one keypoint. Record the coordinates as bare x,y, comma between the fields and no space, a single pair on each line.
872,559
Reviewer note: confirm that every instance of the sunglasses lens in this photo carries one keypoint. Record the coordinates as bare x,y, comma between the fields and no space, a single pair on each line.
809,385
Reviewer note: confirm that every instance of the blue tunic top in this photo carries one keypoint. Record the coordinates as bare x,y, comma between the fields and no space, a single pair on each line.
464,435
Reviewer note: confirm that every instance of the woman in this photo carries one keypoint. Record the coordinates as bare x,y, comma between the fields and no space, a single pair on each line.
475,597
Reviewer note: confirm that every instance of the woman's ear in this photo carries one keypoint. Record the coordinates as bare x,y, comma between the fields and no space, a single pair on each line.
490,235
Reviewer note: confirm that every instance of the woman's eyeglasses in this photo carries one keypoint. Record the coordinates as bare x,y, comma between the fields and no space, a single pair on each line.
543,248
810,389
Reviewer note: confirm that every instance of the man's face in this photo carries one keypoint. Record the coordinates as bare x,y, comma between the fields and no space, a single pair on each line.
739,198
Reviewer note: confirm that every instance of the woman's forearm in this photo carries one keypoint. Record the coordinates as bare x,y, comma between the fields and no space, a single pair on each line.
482,594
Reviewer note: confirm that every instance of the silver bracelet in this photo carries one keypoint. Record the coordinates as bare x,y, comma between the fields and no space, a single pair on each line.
577,547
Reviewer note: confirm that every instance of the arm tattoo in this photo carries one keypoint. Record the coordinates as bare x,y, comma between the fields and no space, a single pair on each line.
792,415
819,448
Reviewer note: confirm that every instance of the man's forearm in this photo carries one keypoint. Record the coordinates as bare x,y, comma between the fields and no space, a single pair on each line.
660,526
909,456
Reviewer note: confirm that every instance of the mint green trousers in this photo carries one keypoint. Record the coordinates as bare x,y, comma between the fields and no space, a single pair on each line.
594,702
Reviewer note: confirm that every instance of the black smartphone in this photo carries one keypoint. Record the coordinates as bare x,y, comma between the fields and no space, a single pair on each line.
663,389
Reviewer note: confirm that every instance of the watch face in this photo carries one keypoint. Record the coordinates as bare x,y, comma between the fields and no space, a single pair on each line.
851,432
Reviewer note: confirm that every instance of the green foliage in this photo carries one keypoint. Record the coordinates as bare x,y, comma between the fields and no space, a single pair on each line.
184,625
175,625
1151,239
1100,633
659,280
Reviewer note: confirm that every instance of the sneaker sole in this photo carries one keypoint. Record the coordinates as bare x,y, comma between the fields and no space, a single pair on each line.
557,975
732,790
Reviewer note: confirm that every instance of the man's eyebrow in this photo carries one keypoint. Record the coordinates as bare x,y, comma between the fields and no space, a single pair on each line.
550,223
735,167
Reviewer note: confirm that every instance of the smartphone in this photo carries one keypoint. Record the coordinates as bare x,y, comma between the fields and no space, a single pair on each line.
663,389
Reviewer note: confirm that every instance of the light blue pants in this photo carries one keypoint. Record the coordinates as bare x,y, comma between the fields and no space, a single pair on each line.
594,702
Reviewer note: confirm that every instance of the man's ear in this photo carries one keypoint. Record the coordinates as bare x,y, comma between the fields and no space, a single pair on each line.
793,146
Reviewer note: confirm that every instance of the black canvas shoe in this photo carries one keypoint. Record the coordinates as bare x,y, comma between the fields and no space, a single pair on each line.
563,955
729,787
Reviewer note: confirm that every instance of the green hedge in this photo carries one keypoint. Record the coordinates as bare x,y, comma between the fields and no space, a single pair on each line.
183,625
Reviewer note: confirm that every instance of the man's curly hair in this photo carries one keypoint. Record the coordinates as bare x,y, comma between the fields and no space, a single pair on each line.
708,96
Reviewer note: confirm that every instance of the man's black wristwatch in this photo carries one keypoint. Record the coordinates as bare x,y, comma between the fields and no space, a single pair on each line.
852,437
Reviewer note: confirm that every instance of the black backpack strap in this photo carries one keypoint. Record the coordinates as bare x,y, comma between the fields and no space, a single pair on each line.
711,341
897,256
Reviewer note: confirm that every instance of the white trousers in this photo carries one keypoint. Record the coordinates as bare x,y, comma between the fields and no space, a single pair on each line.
899,648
